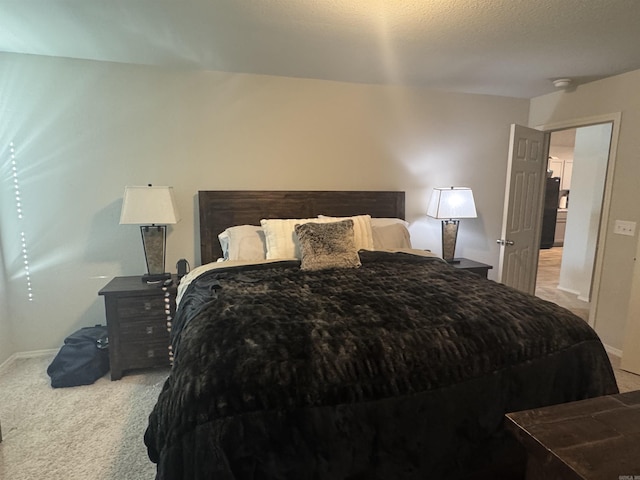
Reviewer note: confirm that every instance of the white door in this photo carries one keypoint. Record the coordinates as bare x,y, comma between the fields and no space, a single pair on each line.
522,216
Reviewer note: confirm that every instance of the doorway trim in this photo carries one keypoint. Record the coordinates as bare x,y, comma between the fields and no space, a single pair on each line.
615,119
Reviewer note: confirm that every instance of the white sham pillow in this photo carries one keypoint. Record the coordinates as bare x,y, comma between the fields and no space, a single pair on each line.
383,222
391,237
243,242
282,242
280,236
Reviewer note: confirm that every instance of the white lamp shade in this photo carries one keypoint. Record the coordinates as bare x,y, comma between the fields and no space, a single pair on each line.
452,202
149,206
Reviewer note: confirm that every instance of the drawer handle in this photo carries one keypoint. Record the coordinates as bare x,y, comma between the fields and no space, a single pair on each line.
147,305
149,330
151,353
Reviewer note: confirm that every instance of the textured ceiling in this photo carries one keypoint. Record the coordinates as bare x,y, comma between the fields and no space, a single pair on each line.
498,47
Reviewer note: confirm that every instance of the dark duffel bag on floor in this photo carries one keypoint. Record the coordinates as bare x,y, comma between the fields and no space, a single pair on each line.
83,358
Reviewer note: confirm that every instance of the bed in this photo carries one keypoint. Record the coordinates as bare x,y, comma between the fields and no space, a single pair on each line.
396,367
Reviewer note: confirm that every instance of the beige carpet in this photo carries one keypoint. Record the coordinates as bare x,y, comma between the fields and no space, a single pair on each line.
92,432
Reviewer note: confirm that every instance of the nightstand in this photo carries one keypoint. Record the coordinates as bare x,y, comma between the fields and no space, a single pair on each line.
138,322
478,268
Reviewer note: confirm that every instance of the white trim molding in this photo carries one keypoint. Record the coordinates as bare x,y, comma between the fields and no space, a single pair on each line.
615,119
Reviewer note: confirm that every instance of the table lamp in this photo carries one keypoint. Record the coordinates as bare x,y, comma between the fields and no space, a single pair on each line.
152,208
451,204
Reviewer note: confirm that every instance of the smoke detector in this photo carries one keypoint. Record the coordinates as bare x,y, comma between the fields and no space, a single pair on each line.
562,82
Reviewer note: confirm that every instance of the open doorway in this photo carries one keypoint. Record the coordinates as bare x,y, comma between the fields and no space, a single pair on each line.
578,159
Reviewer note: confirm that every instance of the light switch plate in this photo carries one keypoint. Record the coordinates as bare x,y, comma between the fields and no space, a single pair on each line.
623,227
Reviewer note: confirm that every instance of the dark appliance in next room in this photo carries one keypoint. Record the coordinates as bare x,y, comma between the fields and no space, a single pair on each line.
551,195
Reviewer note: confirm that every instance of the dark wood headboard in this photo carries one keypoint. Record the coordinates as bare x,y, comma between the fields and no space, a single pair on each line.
219,210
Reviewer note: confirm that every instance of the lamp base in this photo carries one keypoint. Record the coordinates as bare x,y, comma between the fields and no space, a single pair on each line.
453,260
155,277
449,236
154,240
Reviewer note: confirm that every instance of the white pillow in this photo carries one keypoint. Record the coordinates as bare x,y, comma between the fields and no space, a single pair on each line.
391,237
383,222
280,236
243,242
282,242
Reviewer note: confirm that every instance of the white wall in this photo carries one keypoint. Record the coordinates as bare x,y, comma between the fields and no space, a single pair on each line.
591,155
83,130
615,94
6,331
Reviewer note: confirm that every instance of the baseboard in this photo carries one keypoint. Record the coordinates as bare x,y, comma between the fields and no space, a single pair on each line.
37,353
568,290
5,365
32,354
616,352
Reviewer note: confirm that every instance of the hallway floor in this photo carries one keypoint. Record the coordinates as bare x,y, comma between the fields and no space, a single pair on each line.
547,283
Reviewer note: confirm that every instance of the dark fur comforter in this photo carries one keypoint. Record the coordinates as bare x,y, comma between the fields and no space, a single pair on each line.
400,369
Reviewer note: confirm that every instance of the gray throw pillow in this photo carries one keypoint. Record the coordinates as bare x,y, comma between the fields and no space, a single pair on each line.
327,245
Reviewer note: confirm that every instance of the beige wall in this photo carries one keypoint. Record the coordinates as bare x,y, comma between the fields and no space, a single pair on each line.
83,130
616,94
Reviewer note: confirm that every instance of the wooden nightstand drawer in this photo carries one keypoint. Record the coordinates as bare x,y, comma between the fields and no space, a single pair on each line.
132,332
152,353
144,307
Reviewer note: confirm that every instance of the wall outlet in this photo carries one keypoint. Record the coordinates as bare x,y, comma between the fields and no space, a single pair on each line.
623,227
